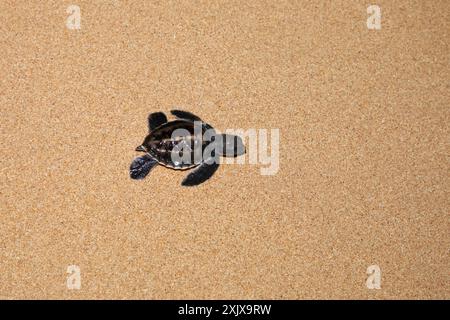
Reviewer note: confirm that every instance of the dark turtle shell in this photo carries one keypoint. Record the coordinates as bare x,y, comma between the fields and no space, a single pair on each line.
178,144
183,144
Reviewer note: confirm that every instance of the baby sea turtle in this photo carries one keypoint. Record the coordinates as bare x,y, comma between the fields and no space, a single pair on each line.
182,144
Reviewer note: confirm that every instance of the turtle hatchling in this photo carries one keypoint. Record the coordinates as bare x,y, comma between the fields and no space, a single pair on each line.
182,144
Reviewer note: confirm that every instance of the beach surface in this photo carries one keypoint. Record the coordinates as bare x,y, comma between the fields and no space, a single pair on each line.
362,181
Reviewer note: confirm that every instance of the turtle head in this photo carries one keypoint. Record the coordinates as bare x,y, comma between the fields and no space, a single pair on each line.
141,148
146,144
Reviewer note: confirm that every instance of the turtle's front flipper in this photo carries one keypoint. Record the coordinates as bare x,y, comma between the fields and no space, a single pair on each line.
201,174
156,119
185,115
141,166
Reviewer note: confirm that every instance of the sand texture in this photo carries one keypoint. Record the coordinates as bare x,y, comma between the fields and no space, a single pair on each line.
363,118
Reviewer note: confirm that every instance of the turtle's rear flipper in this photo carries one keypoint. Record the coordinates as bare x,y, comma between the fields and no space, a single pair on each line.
201,174
232,146
141,166
155,120
180,114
